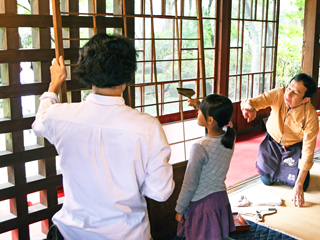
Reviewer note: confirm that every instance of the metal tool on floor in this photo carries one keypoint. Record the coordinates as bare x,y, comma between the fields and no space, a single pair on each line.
187,92
262,212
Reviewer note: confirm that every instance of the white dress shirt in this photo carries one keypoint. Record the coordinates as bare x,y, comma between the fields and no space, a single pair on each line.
111,157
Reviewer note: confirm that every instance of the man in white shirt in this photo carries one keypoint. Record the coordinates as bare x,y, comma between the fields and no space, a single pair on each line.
111,155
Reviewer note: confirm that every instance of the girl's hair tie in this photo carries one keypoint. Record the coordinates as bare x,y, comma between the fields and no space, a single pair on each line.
229,124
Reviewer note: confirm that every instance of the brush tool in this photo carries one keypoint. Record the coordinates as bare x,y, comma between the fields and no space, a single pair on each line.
187,92
262,212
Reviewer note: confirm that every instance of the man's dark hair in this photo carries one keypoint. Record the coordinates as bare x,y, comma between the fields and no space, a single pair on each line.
308,82
106,61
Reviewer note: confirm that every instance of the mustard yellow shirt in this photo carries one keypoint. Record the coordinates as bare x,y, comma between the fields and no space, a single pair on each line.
289,126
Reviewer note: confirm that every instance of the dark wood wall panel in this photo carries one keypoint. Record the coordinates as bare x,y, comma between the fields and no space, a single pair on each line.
42,21
25,156
242,126
162,215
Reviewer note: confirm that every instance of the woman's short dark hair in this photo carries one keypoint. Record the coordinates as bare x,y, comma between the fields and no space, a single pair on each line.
106,61
221,109
308,82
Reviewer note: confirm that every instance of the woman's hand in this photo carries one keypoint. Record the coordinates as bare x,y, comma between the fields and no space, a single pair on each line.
298,196
58,75
249,112
179,217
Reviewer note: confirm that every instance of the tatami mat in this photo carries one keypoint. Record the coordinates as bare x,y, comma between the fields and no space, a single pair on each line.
301,223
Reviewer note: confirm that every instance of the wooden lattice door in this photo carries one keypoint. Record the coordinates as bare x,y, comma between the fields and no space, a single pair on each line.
30,180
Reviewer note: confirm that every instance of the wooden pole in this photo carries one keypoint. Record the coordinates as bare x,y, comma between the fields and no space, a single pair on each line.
201,50
311,46
57,26
94,17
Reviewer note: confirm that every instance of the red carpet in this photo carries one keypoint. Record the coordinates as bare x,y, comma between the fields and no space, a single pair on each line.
243,162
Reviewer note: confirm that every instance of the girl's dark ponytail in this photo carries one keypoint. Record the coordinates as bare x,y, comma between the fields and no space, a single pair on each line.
229,138
221,109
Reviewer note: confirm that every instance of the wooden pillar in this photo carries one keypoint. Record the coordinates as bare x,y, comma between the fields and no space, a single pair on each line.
201,50
311,37
129,94
221,82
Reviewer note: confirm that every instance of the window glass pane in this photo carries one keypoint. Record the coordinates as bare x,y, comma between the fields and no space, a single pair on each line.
209,8
170,7
234,33
85,34
109,6
5,143
28,105
4,74
171,108
189,69
27,73
270,35
66,34
189,84
29,37
36,230
163,28
269,57
271,10
233,61
209,86
260,9
6,214
170,92
7,235
152,110
150,95
3,172
164,49
248,9
256,85
189,29
23,7
84,6
58,165
252,48
209,29
267,82
3,42
52,42
30,140
236,8
244,82
190,8
231,91
32,168
237,98
209,62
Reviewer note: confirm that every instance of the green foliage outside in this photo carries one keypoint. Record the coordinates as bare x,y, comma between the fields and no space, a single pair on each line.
290,40
168,70
289,49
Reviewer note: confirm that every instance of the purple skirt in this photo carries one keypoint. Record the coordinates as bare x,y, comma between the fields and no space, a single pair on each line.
209,218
